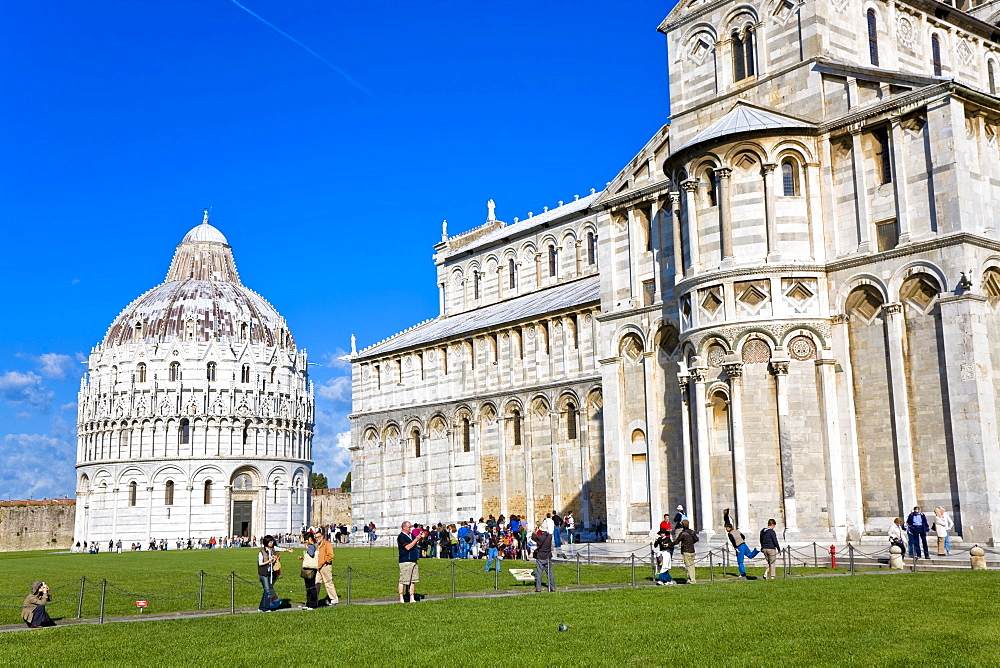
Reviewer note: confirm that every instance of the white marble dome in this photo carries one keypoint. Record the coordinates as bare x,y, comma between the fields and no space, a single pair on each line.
196,414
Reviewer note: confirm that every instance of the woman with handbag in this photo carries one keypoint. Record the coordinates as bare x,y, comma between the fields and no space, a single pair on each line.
310,565
268,568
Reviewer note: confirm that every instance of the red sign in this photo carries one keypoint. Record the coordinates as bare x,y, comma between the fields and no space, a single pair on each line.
141,604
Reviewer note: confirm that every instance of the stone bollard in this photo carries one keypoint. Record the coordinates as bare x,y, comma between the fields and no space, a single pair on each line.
896,557
977,557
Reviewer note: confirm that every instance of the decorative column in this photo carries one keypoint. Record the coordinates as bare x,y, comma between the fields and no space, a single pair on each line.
684,380
733,366
657,245
900,405
829,410
554,438
583,441
725,215
190,494
690,204
770,213
899,180
114,514
228,500
291,500
698,374
844,387
149,512
529,477
675,225
779,367
860,190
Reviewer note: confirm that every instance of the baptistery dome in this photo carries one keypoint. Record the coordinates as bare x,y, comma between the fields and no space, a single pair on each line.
196,414
202,299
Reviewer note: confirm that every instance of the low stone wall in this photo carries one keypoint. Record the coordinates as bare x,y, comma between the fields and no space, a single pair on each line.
37,525
331,506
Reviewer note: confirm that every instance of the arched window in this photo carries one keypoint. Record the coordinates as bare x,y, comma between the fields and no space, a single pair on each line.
416,442
712,189
571,426
883,158
137,332
122,443
476,278
277,483
185,432
872,37
207,496
719,423
744,56
466,435
511,274
175,371
246,432
244,331
168,497
553,260
141,372
789,178
210,371
936,55
114,376
991,75
245,374
243,482
591,248
274,371
516,426
131,493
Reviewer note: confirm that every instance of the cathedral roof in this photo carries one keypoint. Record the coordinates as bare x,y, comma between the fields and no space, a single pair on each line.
745,118
202,299
550,300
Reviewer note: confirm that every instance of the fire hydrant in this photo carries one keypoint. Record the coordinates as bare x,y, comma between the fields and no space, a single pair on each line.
833,556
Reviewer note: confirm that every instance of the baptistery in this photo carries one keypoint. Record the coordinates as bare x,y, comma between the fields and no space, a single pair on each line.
196,413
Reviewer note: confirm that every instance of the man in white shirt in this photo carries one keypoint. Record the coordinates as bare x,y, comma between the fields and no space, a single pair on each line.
548,526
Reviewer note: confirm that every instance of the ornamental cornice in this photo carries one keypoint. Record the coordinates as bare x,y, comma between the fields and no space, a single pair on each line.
779,330
762,270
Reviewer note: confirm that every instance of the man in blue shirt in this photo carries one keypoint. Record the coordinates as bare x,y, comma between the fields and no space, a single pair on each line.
409,553
916,527
463,541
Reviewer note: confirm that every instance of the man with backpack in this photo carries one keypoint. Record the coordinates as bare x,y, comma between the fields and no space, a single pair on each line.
769,546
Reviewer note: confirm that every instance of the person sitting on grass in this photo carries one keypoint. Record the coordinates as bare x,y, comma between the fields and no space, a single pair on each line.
33,613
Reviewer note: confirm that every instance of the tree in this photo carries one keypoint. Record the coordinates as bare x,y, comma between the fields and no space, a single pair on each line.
346,485
319,481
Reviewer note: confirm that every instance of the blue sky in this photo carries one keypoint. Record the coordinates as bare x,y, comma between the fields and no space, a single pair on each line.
330,172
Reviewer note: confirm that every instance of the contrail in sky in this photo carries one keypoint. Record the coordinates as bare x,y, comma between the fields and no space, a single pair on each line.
321,58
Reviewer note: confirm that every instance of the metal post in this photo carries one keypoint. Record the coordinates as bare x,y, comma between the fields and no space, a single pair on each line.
496,580
711,567
578,569
232,592
201,588
348,585
588,554
453,578
633,569
850,556
815,556
104,586
79,602
915,561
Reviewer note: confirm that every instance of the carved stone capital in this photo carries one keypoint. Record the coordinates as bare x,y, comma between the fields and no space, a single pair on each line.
733,369
779,367
690,185
724,172
841,319
683,379
894,308
768,168
699,373
675,199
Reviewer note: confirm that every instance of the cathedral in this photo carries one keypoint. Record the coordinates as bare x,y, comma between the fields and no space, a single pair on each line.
196,413
780,306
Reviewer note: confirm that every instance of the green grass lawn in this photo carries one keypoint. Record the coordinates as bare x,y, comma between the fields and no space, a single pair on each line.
170,580
926,618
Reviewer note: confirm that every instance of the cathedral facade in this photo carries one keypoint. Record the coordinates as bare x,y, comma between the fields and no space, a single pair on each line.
780,306
196,414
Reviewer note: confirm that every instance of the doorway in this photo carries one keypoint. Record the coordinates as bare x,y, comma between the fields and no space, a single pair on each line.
242,515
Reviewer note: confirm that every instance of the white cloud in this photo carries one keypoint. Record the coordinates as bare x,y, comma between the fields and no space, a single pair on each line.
35,466
25,390
331,441
334,361
55,365
336,389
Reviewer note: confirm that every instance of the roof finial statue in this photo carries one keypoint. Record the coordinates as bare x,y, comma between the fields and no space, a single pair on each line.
444,230
204,221
492,216
354,345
